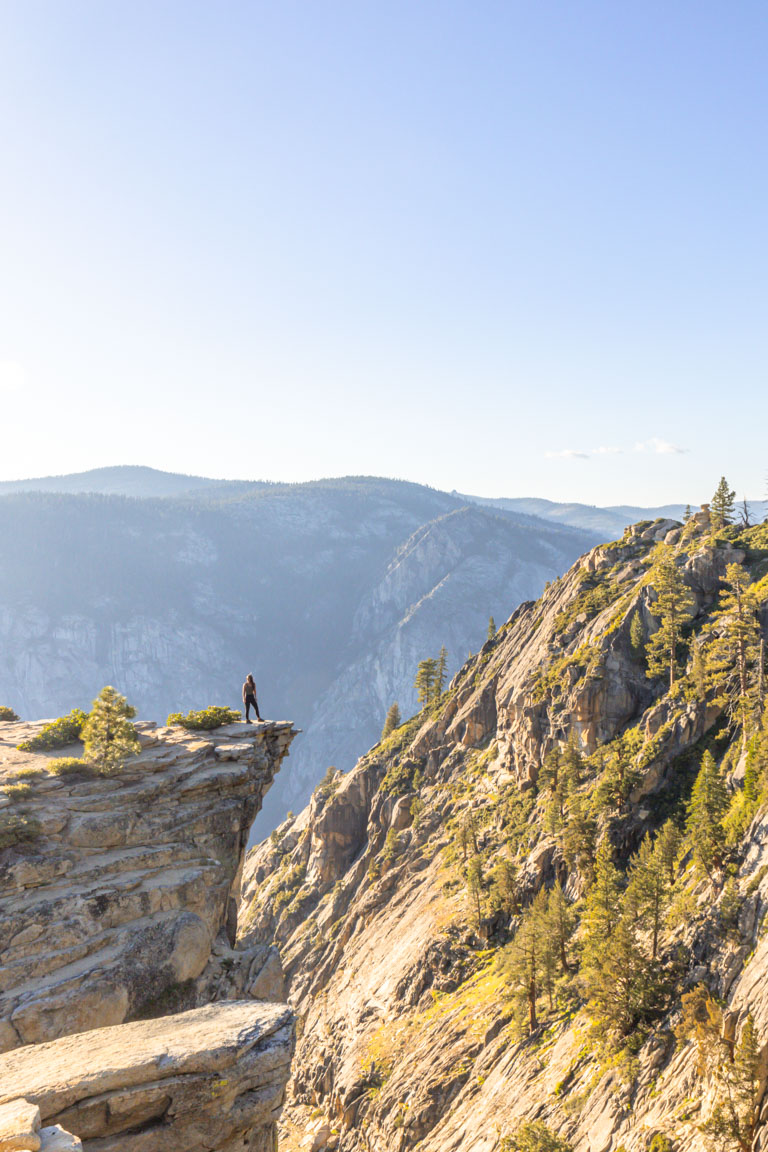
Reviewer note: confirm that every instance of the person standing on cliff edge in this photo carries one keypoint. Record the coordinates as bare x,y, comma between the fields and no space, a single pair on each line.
249,698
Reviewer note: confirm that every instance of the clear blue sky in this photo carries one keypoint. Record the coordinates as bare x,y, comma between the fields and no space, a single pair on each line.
513,248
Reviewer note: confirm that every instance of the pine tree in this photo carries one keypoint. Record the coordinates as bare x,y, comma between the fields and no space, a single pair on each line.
649,889
668,844
425,681
603,904
620,776
573,762
441,673
674,606
392,721
704,826
491,628
636,635
699,674
504,890
722,505
467,836
734,1120
475,887
734,655
550,772
620,982
560,921
526,960
620,976
108,735
579,837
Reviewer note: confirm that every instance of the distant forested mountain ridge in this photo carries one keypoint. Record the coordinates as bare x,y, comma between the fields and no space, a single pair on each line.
331,592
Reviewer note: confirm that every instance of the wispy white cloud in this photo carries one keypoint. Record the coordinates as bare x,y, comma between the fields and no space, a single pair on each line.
658,447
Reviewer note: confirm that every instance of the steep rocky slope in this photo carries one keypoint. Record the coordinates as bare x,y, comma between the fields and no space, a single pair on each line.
127,1016
403,899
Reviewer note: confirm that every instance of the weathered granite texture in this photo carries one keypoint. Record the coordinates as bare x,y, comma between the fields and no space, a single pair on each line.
211,1078
408,1036
122,904
21,1131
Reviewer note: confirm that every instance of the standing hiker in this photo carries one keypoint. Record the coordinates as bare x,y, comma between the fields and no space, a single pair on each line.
249,698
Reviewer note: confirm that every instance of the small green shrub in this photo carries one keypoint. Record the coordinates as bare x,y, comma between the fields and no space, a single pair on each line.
7,715
69,766
392,847
204,720
289,888
29,774
660,1143
18,791
402,776
328,785
535,1137
17,829
58,734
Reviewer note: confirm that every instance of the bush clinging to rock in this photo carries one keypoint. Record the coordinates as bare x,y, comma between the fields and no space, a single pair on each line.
58,734
207,718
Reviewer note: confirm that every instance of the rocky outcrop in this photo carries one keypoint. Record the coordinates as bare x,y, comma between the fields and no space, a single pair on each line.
21,1130
119,895
395,967
211,1078
128,1018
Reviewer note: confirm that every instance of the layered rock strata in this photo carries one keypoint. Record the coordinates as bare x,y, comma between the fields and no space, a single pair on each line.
119,895
127,1014
211,1078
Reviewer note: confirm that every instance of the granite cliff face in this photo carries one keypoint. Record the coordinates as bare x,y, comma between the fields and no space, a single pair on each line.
397,936
315,588
127,1016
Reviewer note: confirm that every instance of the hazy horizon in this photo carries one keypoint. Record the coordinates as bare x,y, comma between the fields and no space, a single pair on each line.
640,503
494,247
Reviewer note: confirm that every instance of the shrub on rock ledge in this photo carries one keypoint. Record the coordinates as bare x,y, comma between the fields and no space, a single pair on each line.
7,715
58,734
69,766
535,1137
204,720
17,829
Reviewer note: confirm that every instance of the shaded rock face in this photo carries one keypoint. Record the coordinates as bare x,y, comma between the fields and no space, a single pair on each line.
122,904
211,1078
406,1035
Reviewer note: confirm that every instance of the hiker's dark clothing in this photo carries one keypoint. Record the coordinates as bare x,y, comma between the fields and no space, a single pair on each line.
249,699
